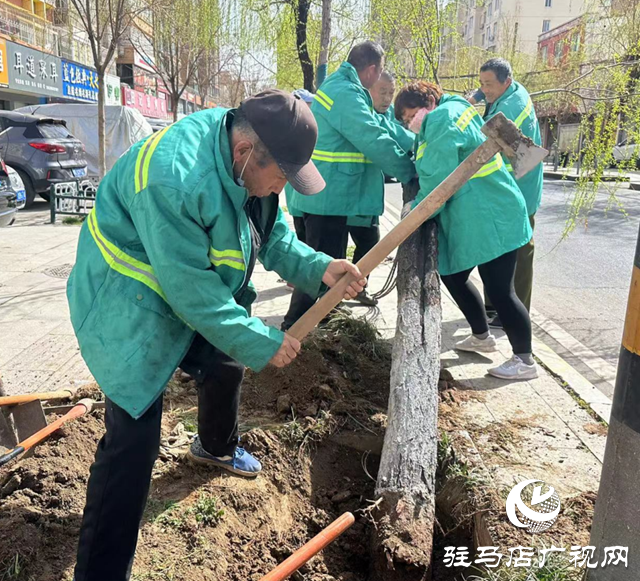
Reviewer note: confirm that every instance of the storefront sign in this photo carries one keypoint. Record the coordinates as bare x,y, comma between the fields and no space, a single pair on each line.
113,93
33,71
144,62
79,83
4,64
148,105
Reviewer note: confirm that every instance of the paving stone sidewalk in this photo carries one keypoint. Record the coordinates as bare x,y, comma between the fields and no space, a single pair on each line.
551,435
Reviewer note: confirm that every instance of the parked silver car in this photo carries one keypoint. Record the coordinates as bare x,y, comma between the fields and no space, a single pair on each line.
41,150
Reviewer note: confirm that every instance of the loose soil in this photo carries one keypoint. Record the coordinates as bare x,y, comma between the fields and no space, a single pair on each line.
201,524
317,426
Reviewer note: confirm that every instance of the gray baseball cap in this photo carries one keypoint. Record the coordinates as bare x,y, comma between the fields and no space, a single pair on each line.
288,129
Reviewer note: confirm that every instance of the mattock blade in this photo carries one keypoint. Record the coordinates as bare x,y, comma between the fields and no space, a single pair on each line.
523,153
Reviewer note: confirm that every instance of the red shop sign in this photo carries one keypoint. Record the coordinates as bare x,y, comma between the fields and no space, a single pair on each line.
148,105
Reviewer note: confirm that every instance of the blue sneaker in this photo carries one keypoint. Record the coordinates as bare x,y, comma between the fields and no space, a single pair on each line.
241,462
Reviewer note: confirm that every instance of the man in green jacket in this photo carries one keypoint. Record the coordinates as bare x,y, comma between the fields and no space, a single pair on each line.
505,95
353,150
162,279
365,230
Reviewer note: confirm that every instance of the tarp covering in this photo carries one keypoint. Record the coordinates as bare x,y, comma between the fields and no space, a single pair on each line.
124,127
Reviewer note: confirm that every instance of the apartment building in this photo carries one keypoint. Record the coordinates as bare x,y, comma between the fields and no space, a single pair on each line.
507,26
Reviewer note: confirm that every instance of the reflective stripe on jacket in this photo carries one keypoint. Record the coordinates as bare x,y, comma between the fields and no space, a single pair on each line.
353,150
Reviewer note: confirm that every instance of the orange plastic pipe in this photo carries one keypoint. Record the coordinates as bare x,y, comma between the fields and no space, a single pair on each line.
27,397
311,549
76,412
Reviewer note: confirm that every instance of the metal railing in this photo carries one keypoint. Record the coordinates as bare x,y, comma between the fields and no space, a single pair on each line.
22,26
72,198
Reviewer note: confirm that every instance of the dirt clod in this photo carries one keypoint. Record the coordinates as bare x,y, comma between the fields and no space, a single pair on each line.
283,404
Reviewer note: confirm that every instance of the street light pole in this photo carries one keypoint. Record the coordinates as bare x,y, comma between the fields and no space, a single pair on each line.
616,521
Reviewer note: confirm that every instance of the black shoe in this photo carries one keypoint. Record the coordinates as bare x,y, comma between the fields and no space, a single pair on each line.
495,323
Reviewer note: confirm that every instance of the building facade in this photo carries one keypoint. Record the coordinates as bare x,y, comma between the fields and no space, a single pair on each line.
506,27
45,57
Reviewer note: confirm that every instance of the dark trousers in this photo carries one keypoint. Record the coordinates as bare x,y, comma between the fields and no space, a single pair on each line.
121,473
364,238
328,234
523,281
497,277
298,224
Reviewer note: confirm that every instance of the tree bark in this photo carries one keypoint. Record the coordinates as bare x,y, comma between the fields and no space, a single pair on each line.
403,540
325,40
102,145
175,102
302,18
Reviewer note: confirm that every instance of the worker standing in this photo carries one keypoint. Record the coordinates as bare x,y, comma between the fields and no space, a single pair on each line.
482,225
298,221
352,152
505,95
162,280
382,94
365,230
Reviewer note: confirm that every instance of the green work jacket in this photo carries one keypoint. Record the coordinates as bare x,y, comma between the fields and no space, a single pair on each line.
353,150
518,107
487,217
405,138
165,253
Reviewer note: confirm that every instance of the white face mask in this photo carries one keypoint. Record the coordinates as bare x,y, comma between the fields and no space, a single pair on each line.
239,180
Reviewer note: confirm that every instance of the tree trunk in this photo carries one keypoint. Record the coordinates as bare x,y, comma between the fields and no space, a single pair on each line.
325,40
302,17
403,540
102,145
175,102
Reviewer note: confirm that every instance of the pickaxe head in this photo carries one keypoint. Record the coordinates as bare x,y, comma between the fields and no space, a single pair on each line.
523,153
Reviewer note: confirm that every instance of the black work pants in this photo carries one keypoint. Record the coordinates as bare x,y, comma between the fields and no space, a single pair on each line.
497,277
121,473
298,224
364,238
328,234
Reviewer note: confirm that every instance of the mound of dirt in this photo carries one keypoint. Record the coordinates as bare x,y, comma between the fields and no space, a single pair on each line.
201,524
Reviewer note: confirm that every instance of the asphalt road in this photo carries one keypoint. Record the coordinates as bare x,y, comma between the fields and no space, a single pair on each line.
582,282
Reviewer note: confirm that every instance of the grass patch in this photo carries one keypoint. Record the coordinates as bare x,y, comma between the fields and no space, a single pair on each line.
310,431
73,220
189,421
204,512
12,568
350,251
362,333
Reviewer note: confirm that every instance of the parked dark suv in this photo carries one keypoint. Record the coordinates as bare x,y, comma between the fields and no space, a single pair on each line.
41,150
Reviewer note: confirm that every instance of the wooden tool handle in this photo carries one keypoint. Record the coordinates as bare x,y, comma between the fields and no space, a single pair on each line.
420,214
312,548
27,397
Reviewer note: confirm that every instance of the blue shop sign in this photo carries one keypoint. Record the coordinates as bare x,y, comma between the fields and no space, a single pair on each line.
79,83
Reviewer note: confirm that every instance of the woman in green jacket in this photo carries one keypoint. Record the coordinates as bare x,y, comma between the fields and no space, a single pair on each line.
482,225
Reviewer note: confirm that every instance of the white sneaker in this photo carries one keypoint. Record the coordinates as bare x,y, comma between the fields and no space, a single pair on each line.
475,345
515,368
